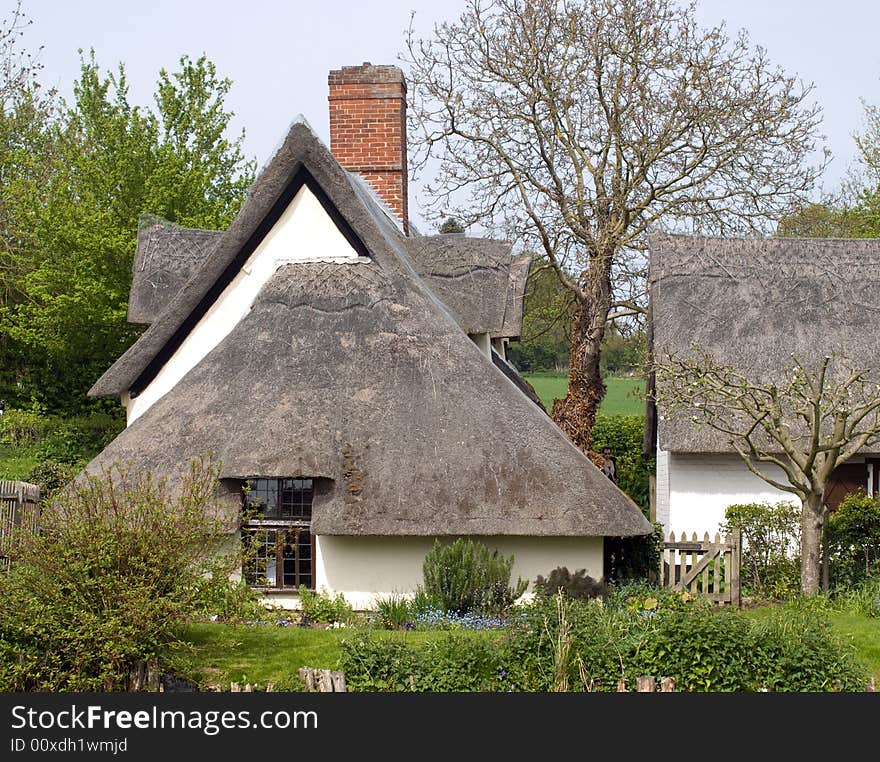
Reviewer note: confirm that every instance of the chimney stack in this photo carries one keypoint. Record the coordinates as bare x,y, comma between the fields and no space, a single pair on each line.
368,129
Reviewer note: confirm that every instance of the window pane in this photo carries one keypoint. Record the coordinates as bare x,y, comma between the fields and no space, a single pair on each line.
260,564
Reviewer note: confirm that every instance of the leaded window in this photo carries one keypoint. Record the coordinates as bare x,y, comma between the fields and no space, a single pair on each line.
280,548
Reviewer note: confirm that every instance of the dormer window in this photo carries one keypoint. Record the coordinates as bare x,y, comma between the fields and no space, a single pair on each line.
276,532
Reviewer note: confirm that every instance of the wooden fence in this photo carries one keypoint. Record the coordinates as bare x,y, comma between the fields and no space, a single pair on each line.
706,568
19,509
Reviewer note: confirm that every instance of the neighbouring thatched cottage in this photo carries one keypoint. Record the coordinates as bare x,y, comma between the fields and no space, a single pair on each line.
753,303
352,373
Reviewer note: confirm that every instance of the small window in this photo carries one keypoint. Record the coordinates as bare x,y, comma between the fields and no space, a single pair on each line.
276,532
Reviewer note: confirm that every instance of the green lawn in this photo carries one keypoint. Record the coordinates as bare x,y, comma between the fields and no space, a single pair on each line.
625,396
862,631
16,464
261,654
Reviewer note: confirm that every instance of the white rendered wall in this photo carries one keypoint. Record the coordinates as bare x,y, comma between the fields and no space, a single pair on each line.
700,487
303,233
364,568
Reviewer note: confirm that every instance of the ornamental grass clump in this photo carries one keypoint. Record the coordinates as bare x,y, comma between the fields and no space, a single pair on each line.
120,562
465,576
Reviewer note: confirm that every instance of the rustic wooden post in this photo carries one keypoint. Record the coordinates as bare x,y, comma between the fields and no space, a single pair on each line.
308,677
646,684
706,542
667,685
735,555
338,679
152,677
325,681
621,686
234,688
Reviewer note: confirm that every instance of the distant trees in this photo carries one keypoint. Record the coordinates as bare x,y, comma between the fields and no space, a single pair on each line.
854,211
80,175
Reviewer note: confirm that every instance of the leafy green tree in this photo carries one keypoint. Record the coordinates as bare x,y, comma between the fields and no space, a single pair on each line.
115,161
26,160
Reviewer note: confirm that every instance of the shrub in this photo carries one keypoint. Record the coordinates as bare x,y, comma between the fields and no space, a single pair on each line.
577,586
78,439
795,650
394,612
862,599
117,567
465,575
222,599
770,565
320,606
50,476
703,649
23,428
634,558
452,663
624,434
852,537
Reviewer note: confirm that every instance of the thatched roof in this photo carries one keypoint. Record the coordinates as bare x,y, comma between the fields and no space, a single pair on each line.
356,373
476,278
753,303
166,257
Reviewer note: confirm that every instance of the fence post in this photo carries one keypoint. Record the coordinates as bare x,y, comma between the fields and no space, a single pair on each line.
646,684
735,555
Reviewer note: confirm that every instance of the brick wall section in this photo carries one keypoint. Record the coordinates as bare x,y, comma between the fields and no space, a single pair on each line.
368,129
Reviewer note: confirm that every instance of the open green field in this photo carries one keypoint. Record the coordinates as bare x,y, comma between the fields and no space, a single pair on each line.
625,396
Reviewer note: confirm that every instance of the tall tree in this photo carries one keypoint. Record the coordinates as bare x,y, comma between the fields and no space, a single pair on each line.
792,432
577,125
116,161
27,158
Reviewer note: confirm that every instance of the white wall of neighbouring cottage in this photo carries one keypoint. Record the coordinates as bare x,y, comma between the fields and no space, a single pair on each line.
693,490
365,568
303,233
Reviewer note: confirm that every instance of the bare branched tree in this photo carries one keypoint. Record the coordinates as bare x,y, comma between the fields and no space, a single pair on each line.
792,433
575,126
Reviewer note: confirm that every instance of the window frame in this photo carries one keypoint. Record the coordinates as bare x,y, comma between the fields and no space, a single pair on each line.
286,533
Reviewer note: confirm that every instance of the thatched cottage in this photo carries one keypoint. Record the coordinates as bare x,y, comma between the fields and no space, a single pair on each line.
352,374
752,303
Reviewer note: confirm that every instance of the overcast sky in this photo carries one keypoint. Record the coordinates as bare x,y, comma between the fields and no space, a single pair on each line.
278,53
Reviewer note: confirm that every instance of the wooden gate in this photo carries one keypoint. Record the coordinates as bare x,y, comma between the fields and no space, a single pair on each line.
706,568
19,508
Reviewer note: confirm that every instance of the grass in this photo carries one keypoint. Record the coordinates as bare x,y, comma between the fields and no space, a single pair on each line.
16,463
861,631
221,654
625,396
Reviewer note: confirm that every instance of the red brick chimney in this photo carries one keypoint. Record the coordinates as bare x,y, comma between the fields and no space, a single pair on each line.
368,129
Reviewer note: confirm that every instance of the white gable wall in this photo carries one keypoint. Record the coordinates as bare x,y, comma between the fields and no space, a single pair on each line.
693,490
303,233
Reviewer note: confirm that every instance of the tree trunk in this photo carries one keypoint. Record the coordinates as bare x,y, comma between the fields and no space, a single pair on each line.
812,520
575,414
